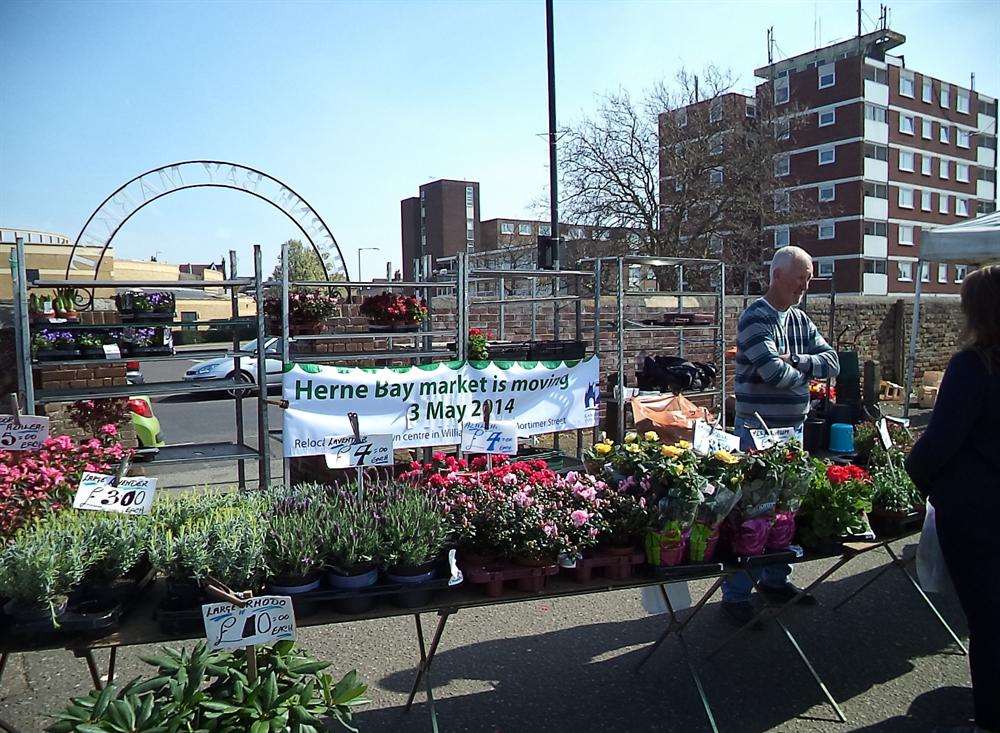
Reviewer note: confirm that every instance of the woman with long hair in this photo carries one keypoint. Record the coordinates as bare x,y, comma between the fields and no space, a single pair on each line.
957,463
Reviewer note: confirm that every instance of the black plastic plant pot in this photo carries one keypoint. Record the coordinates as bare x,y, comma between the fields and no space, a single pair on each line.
182,595
557,350
132,350
56,354
91,352
413,579
32,614
354,583
149,316
517,351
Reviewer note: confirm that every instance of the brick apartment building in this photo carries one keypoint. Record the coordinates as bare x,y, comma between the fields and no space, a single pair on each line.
441,221
884,151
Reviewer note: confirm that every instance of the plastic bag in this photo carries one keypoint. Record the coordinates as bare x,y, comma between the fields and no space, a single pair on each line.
931,569
679,594
671,418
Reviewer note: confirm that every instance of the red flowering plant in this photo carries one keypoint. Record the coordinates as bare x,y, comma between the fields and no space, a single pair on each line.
304,307
836,504
35,482
92,415
392,308
479,347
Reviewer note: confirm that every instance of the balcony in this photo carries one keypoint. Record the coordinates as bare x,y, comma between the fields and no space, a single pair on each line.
876,170
876,93
875,246
985,190
877,209
987,157
988,124
875,284
876,132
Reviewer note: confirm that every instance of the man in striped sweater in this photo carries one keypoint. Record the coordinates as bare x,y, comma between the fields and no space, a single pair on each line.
778,350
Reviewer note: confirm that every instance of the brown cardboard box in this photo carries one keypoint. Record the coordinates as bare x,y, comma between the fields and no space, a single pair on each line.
928,396
932,379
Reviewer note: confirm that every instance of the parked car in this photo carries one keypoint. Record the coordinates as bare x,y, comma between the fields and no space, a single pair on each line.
225,367
147,427
133,374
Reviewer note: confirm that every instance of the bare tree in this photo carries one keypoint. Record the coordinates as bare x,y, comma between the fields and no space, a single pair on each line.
694,169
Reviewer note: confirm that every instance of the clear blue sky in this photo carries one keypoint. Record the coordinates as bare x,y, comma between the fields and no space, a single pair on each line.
355,105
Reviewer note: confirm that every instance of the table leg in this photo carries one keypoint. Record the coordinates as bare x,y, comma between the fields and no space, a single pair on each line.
864,585
685,653
674,625
812,671
898,562
95,674
426,659
112,659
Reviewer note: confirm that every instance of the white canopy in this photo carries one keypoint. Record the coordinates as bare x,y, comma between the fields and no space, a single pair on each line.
974,242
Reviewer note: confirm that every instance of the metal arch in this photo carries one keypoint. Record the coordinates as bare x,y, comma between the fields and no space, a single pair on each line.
233,166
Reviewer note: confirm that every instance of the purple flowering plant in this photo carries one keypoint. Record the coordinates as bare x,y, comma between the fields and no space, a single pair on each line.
52,339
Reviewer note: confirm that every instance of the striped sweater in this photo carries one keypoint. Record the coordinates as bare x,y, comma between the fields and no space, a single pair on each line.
764,382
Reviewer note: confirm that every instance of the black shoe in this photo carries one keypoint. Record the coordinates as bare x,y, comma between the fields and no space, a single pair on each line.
785,593
738,612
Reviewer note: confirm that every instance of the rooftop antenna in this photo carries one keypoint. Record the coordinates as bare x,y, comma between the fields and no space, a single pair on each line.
972,81
770,45
859,18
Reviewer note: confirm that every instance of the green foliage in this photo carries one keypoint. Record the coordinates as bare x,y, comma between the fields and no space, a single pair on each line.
351,537
211,693
894,491
414,530
41,564
303,263
832,510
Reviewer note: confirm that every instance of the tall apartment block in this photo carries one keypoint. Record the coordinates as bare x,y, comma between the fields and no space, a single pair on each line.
887,151
441,221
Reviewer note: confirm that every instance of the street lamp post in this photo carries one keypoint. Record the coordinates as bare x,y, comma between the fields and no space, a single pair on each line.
360,250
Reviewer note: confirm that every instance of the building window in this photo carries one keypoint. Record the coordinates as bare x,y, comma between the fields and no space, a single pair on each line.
961,172
925,200
717,144
506,227
925,164
876,190
876,114
927,129
875,74
715,244
905,272
961,207
925,272
524,229
827,155
943,133
875,267
827,117
906,161
827,192
906,124
751,109
545,230
963,138
905,198
963,102
781,94
781,201
782,165
781,238
942,273
875,228
905,234
782,130
827,230
715,176
682,117
827,76
928,92
906,83
469,196
960,272
876,152
825,268
943,172
945,96
715,111
943,203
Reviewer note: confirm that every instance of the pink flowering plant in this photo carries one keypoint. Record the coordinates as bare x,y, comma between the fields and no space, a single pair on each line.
303,306
394,308
33,483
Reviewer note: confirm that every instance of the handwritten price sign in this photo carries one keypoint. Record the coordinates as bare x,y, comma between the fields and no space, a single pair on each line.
499,438
133,495
776,436
29,435
263,620
371,450
709,438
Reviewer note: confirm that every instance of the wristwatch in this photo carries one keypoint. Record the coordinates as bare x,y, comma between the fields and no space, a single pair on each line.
795,360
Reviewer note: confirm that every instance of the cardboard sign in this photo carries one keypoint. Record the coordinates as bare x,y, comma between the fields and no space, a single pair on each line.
499,439
133,495
263,620
883,433
111,351
775,436
28,435
709,438
371,450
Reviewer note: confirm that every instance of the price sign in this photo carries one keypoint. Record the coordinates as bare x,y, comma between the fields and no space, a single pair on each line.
346,452
262,621
709,438
883,433
765,439
499,438
132,495
111,351
29,435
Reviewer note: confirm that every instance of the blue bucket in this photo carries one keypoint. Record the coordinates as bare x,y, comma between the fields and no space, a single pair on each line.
841,438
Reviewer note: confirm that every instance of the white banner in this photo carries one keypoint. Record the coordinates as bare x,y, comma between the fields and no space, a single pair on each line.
426,405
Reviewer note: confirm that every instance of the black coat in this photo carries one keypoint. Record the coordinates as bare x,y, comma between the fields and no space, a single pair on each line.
957,459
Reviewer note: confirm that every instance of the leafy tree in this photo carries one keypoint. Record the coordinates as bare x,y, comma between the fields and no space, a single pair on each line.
305,264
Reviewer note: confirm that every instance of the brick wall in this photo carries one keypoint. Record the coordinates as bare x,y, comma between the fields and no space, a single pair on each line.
56,376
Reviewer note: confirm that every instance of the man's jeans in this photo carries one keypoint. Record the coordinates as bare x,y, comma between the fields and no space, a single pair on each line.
736,588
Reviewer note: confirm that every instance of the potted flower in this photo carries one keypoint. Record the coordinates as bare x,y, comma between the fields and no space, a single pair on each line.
673,510
835,507
116,556
153,305
351,547
896,502
40,308
412,535
393,312
181,556
794,477
624,514
479,346
67,299
147,341
724,473
293,544
52,345
91,345
306,311
39,567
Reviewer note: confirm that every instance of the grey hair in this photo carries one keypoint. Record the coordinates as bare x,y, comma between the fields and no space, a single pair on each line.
786,256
